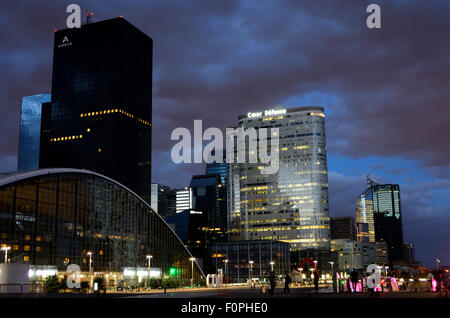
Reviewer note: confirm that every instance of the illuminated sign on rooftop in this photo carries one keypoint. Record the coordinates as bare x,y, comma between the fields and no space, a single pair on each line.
269,112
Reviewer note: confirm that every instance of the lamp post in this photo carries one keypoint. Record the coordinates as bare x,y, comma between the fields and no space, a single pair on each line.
271,265
333,277
90,269
250,272
301,276
149,257
226,269
6,248
192,259
437,264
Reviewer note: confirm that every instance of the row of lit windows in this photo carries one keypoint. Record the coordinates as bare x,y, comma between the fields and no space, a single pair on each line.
288,228
27,237
116,110
66,138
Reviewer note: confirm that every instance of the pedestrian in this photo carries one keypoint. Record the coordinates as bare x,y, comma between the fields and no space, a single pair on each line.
287,281
354,279
316,282
272,283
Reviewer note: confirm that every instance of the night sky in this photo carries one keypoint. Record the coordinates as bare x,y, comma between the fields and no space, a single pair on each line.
385,92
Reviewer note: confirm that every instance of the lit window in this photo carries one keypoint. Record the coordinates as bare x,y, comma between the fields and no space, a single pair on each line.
38,248
101,252
15,247
81,136
99,149
27,237
26,258
38,238
81,115
26,247
88,130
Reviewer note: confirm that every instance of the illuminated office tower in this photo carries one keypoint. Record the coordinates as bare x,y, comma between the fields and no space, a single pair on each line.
290,205
30,131
99,117
378,213
365,225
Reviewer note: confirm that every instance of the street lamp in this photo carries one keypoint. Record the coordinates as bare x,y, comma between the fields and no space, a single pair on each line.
90,269
6,248
192,259
226,269
333,277
271,265
301,276
250,272
149,257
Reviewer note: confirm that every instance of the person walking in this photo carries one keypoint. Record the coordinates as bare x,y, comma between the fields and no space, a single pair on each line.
272,283
316,282
354,279
287,281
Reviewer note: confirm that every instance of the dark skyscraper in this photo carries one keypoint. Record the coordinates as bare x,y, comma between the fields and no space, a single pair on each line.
100,117
30,131
387,219
343,228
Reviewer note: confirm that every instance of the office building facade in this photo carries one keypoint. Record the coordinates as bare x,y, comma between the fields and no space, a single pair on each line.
99,117
163,199
290,205
55,217
343,228
30,131
378,217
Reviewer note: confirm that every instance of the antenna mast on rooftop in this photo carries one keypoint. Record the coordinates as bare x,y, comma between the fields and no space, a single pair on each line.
89,16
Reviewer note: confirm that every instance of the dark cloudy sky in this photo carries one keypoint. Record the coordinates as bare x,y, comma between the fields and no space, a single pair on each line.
385,92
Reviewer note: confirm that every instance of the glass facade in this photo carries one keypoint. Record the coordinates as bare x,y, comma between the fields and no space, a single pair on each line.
239,254
220,168
54,217
30,131
364,217
163,199
379,209
292,204
99,117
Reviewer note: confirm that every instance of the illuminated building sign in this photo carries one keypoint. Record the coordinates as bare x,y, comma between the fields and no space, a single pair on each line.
269,112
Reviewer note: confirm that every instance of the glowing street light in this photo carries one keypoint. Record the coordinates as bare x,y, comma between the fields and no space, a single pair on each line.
192,259
271,265
6,248
250,272
149,257
437,264
90,269
226,268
